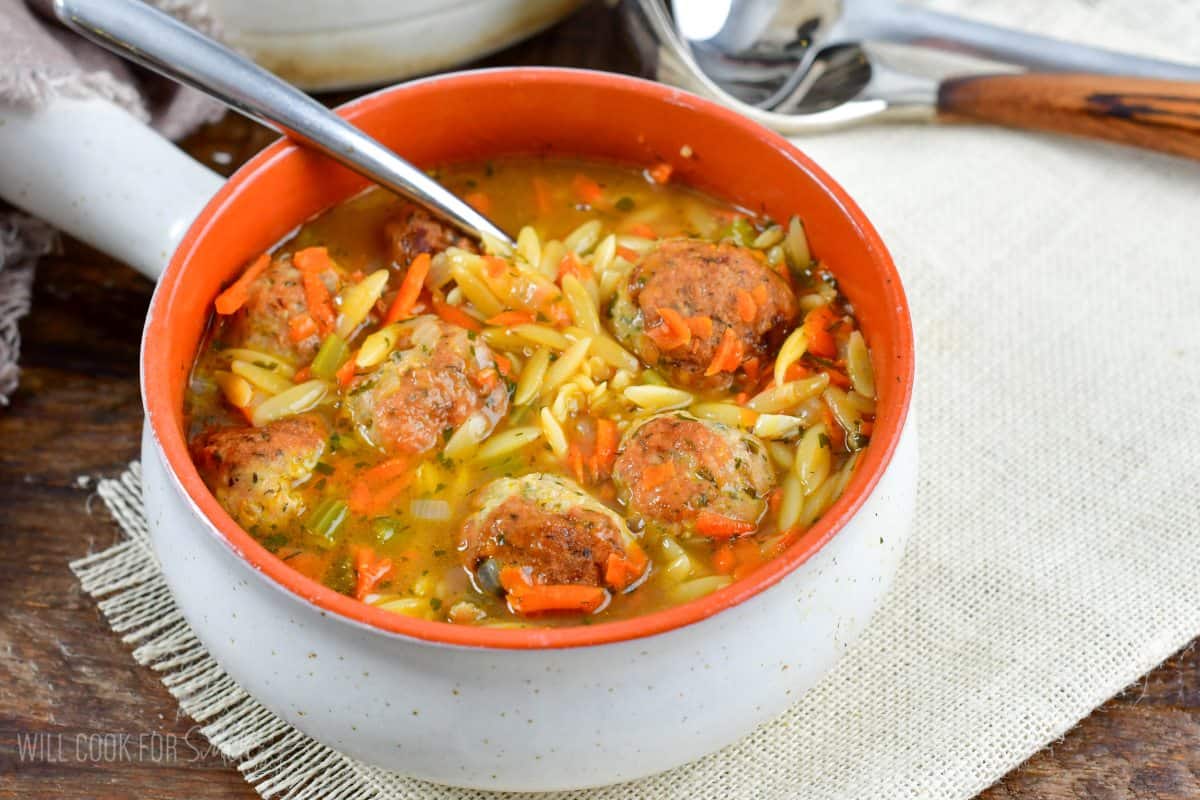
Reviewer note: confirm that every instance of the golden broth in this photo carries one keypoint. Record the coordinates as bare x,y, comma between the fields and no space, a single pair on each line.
417,527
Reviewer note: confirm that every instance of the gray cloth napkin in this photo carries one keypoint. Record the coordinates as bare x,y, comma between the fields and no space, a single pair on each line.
39,61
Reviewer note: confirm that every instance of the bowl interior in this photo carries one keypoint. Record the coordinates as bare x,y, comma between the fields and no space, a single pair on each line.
479,115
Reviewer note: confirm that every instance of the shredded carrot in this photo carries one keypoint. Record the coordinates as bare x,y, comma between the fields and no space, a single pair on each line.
529,598
313,259
454,315
750,367
747,309
700,326
302,326
503,363
541,195
796,371
838,379
643,230
629,255
621,571
410,290
575,460
512,577
495,267
369,570
319,301
587,189
506,319
787,540
719,526
867,427
774,499
571,265
345,372
302,374
606,447
359,500
728,355
379,485
837,436
675,321
673,333
559,313
480,202
816,329
661,172
655,475
386,470
584,599
723,559
760,294
741,397
486,380
749,556
308,563
238,292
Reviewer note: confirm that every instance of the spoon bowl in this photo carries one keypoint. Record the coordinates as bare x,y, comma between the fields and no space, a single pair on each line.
762,50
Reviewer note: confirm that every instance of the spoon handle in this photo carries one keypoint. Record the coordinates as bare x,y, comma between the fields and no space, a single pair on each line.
158,41
906,23
1151,114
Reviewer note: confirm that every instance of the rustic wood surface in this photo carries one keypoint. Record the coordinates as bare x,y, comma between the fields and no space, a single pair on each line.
102,727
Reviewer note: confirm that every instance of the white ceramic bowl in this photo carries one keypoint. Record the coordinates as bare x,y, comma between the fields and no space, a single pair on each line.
497,709
321,45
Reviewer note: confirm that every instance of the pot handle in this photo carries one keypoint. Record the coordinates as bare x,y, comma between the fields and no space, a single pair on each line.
93,170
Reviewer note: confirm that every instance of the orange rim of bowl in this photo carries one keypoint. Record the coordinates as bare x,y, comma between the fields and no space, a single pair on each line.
169,438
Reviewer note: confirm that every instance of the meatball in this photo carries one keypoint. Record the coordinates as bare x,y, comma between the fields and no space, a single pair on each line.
435,380
254,472
673,468
552,531
272,301
415,231
715,288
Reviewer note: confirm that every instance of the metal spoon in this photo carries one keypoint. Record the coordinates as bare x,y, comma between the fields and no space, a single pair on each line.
852,83
761,50
833,77
158,41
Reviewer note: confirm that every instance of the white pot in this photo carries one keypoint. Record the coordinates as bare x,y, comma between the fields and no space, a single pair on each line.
526,717
321,45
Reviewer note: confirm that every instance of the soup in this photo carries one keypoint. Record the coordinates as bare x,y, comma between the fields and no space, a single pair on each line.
652,395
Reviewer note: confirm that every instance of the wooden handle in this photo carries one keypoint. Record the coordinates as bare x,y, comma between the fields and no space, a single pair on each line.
1152,114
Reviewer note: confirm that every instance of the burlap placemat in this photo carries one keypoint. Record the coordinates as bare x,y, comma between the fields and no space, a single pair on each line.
1055,287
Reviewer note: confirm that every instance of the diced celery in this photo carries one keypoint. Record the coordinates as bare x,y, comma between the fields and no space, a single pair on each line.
333,353
326,519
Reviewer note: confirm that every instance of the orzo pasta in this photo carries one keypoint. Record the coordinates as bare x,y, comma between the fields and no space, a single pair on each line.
649,397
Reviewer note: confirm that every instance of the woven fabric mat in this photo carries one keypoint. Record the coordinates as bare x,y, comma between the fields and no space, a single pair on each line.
1055,288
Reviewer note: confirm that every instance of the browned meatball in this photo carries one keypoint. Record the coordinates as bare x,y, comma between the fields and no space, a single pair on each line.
434,381
254,472
415,231
698,280
550,529
272,301
673,467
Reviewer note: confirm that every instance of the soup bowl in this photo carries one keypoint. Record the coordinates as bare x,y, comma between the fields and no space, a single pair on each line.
514,709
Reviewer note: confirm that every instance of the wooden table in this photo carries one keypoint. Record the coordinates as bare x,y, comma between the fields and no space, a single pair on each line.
78,412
